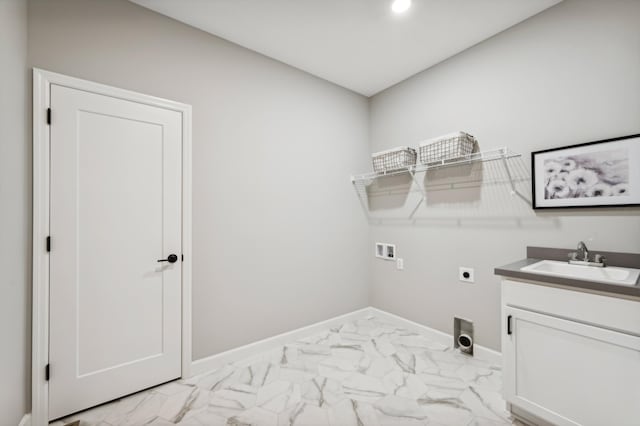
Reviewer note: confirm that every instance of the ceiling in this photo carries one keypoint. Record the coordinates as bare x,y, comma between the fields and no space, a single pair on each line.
357,44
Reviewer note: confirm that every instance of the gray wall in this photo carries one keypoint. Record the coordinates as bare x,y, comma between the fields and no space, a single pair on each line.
15,214
568,75
279,239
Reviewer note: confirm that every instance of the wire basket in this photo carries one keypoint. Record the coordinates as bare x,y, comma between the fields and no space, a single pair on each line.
393,159
447,147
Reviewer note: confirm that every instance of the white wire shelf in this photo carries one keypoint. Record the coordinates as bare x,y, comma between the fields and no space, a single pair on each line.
362,181
491,155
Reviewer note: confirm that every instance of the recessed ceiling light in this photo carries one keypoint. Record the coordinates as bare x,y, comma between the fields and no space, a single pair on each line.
400,6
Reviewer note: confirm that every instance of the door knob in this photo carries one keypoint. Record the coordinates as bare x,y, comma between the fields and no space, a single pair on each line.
172,258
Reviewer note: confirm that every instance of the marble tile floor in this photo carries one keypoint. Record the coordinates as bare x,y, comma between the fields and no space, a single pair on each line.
366,372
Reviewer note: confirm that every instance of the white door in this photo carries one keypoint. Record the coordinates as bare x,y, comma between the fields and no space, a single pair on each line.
115,210
570,373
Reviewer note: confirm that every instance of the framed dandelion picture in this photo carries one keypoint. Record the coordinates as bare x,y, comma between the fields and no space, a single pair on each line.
595,174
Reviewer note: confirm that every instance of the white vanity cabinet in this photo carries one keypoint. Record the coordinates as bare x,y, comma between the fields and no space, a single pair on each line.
571,358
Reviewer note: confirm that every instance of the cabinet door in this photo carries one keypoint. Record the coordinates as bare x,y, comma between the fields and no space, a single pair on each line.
570,373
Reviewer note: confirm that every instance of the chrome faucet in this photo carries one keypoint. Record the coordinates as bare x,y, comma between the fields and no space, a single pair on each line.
581,257
582,253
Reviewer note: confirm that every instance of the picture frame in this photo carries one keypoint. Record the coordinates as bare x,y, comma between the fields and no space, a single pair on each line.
604,173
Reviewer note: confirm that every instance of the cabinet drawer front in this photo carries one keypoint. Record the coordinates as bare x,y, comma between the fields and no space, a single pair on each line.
605,311
570,373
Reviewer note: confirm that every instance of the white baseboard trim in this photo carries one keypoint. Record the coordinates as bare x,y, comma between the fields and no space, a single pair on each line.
26,420
527,418
243,352
479,352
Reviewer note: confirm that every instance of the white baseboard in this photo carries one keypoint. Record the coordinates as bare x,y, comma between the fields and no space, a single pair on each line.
479,352
216,361
243,352
527,418
26,420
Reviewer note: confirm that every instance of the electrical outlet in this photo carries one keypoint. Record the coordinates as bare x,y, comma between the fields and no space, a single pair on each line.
400,264
466,275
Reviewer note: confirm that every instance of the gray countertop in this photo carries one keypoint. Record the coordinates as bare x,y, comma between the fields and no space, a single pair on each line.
512,270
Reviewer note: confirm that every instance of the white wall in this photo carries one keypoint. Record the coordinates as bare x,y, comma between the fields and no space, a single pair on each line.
279,239
15,214
568,75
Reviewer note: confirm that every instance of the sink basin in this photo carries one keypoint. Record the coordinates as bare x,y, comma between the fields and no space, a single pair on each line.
607,275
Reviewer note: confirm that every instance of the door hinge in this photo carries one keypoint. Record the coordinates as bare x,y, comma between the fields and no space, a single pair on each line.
509,331
48,115
47,372
48,243
183,257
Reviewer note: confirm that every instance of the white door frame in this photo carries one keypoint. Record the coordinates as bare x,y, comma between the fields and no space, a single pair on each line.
42,81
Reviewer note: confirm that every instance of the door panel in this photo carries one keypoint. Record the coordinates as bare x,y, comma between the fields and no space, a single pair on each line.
115,313
571,373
